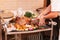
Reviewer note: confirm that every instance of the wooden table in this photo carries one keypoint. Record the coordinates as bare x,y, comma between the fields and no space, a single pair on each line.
34,31
24,32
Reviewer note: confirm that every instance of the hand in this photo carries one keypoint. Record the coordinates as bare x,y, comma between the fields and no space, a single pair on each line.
41,21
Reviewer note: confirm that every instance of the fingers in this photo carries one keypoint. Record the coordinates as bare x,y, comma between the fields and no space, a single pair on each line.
41,22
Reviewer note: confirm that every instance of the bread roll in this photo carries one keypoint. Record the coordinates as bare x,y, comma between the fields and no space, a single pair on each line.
6,14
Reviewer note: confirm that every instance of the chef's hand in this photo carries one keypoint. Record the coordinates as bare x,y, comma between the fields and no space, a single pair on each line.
41,20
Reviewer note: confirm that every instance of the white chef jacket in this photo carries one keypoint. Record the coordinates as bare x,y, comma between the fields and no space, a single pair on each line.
55,5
